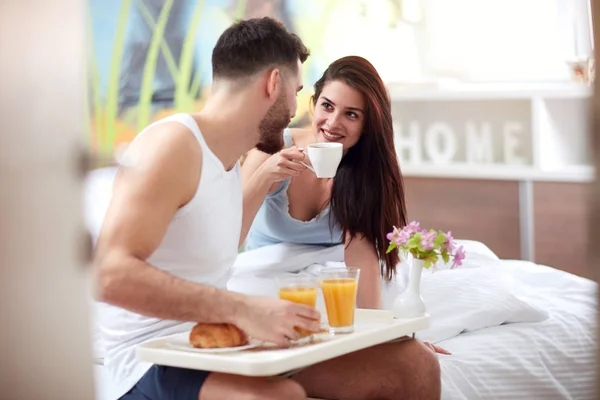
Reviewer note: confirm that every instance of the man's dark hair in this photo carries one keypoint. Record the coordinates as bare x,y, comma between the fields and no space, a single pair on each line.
249,46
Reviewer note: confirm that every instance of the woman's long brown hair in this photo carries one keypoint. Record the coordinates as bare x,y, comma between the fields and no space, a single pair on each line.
368,192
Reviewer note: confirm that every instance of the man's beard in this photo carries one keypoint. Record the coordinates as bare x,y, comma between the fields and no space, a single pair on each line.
272,126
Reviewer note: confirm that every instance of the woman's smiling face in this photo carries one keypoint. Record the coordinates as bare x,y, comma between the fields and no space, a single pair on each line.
339,114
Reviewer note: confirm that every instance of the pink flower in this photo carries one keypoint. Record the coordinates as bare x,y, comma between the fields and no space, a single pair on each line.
459,256
412,227
449,243
390,236
431,235
426,244
428,248
402,238
427,239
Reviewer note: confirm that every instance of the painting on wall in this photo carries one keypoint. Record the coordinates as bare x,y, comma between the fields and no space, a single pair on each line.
151,58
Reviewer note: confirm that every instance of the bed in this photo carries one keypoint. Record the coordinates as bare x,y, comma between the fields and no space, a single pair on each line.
516,330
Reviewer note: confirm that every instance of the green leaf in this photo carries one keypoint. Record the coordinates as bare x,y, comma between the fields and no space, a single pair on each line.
166,52
183,101
147,89
195,88
439,240
445,256
112,91
415,242
391,247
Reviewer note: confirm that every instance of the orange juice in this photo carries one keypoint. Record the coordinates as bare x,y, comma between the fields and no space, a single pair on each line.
340,298
301,295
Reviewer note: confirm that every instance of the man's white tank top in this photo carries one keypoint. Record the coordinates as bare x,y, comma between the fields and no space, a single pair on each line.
200,245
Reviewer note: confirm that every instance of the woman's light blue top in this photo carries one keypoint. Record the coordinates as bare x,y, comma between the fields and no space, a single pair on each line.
273,223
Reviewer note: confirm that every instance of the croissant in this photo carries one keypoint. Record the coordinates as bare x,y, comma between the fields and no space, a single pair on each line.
210,336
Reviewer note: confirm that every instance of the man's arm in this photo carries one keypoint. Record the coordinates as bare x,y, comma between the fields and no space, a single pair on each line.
163,176
164,171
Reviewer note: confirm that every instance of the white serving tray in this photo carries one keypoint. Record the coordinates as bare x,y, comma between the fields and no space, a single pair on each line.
371,327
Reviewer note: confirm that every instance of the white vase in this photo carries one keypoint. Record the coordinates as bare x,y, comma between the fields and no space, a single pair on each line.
410,304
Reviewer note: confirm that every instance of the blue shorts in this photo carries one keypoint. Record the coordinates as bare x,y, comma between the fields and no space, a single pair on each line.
163,383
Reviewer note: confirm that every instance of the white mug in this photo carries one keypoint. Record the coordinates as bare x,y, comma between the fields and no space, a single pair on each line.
325,158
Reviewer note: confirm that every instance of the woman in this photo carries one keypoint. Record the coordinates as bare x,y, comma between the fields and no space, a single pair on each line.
357,207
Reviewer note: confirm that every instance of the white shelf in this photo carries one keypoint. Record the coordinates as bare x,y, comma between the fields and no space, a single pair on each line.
576,173
507,131
486,91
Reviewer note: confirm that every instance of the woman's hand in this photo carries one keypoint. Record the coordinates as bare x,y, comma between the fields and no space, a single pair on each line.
282,165
437,349
430,346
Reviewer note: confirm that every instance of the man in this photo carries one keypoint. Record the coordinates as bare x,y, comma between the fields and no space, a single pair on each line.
171,234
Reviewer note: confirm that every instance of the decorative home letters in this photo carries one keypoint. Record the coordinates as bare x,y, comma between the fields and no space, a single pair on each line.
463,132
439,143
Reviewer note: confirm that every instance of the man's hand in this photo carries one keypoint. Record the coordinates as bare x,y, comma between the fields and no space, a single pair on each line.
274,320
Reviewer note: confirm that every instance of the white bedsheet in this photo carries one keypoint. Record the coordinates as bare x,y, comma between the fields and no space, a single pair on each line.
551,359
528,330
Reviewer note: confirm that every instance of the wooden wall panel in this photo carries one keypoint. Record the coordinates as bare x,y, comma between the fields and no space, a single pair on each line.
561,226
487,211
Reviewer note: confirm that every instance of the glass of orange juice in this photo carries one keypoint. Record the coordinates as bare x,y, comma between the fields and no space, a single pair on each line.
301,290
339,287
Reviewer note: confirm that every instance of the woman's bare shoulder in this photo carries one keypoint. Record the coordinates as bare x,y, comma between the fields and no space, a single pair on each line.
300,135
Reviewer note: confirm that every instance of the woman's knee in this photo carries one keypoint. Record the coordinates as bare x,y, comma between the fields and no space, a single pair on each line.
225,386
418,359
292,390
286,389
424,372
428,360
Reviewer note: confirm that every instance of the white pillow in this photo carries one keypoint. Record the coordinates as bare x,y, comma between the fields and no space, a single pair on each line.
467,299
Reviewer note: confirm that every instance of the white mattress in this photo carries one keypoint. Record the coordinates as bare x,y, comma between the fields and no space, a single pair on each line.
551,357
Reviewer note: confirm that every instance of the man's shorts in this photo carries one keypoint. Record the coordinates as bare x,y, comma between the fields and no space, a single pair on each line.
163,383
